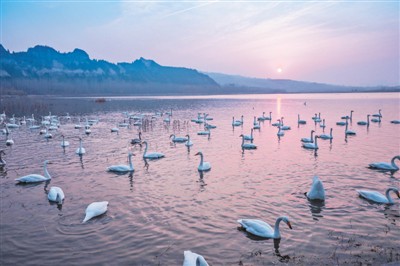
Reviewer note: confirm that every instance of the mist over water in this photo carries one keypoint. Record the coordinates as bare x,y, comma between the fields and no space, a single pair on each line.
166,206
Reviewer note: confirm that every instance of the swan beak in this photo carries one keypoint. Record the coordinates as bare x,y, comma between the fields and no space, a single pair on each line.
290,226
196,154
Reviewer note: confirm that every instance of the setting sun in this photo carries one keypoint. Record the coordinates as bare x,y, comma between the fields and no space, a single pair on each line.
279,70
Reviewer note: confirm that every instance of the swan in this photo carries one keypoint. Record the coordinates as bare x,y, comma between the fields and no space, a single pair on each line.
377,197
256,125
9,142
323,124
386,166
347,131
23,121
188,142
193,259
317,119
2,161
236,123
207,118
378,115
56,194
168,119
32,178
47,135
123,168
5,130
261,118
152,155
177,139
395,121
209,126
280,132
249,137
247,146
324,136
341,123
302,122
376,120
277,124
348,117
314,117
317,191
284,127
312,146
78,126
124,124
66,117
63,142
205,132
88,131
81,150
137,140
203,166
95,209
262,229
268,117
115,129
363,123
308,140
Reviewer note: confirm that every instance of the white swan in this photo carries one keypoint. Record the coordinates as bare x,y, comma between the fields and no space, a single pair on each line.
188,142
256,125
395,121
64,143
280,132
386,166
81,150
236,123
363,123
378,115
78,126
209,126
324,136
312,146
249,137
317,191
203,166
137,140
9,141
115,129
152,155
277,124
33,178
269,117
193,259
283,127
308,140
2,161
56,194
318,119
177,139
262,229
122,168
349,117
204,133
323,124
302,122
377,197
347,131
261,118
247,146
95,209
376,120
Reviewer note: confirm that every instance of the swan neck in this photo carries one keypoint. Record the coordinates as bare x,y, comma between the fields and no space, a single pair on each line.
277,233
130,162
46,173
315,140
201,159
392,162
390,200
242,141
145,149
312,133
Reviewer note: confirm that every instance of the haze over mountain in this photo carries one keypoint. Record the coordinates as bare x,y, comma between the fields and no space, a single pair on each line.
43,70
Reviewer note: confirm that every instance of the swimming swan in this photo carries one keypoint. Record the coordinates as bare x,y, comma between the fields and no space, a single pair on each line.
377,197
249,137
262,229
386,166
64,143
363,123
312,146
81,150
203,166
33,178
193,259
302,122
122,168
317,191
177,139
56,194
324,136
152,155
95,209
308,140
188,142
247,146
378,115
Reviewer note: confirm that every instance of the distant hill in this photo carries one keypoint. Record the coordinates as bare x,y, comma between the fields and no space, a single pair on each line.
43,70
286,85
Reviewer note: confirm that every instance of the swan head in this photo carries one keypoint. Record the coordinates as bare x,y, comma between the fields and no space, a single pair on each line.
47,162
187,136
199,153
312,131
241,136
130,154
286,220
172,135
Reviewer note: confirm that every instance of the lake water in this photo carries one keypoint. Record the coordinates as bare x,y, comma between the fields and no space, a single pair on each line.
158,212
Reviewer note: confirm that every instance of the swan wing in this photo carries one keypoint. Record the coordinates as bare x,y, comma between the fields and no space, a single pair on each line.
193,259
56,194
373,196
257,227
31,178
95,209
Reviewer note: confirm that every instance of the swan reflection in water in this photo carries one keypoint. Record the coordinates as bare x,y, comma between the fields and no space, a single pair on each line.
316,207
201,181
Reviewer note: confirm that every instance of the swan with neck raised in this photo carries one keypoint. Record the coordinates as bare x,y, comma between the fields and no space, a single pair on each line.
247,146
363,123
323,124
193,259
34,178
177,139
121,168
203,166
283,127
151,155
324,136
236,123
249,137
348,131
379,114
56,194
280,132
256,125
317,191
95,209
302,122
263,229
349,117
63,142
308,140
188,142
137,140
81,150
312,146
377,197
386,166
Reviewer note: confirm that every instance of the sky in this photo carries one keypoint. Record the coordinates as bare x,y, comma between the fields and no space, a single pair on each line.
336,42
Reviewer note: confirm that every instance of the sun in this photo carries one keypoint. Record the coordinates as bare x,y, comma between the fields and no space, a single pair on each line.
279,70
